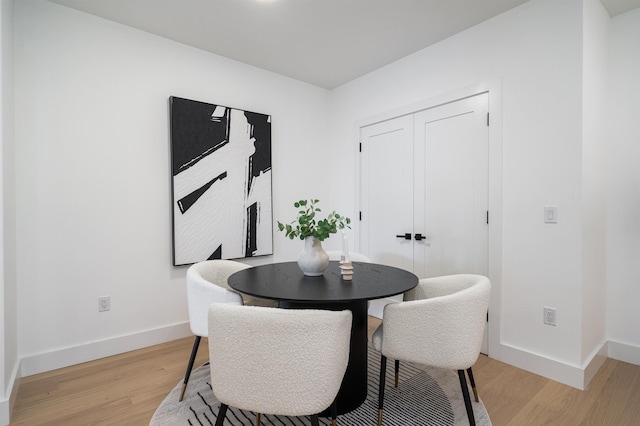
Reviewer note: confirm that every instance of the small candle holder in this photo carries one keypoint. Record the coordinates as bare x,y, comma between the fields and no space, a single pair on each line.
346,267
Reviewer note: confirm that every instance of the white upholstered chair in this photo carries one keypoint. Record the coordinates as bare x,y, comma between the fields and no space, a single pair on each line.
441,325
207,283
277,361
354,256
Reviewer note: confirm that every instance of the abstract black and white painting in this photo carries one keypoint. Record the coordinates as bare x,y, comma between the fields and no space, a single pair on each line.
221,160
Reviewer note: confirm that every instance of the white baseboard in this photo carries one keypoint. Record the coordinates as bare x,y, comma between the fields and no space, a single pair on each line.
594,364
624,352
376,306
571,375
39,363
5,411
6,405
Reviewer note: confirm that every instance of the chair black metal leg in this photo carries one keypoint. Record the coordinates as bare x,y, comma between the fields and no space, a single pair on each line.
473,384
334,412
383,373
314,420
192,358
467,399
222,413
397,371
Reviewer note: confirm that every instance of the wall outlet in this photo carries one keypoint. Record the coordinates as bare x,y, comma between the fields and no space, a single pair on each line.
549,316
104,303
550,214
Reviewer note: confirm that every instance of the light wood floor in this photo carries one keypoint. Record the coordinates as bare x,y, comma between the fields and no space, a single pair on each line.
126,389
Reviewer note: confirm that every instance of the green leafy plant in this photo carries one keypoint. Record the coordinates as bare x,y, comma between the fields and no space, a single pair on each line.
307,224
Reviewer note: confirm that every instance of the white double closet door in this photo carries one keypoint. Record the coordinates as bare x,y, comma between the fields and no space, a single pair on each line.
424,190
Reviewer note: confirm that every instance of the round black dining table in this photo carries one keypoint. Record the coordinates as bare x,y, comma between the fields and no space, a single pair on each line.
286,283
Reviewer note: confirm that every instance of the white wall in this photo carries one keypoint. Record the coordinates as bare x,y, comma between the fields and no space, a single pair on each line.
93,186
594,162
8,285
623,216
540,67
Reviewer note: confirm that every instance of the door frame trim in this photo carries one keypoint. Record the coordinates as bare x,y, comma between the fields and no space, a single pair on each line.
494,88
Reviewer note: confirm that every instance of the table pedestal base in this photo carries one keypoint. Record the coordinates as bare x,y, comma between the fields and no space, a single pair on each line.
353,391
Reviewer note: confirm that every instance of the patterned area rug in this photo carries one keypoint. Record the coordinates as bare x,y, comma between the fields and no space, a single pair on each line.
424,396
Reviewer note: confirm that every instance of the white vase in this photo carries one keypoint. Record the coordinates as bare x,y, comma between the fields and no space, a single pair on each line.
313,260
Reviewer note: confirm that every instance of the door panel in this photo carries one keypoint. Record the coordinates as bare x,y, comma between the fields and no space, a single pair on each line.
451,196
427,173
387,192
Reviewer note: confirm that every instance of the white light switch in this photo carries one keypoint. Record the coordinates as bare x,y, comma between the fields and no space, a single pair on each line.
550,214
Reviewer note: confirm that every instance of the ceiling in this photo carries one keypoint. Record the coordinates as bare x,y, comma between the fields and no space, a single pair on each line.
322,42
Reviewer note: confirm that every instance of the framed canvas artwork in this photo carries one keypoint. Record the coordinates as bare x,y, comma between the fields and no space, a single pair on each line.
221,182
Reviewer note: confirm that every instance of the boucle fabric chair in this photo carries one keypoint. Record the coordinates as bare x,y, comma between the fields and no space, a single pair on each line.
277,361
207,283
441,326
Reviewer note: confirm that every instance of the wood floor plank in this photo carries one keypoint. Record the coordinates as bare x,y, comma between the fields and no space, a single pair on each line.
619,397
126,389
504,402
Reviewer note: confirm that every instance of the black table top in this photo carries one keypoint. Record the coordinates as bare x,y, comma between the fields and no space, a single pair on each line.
285,281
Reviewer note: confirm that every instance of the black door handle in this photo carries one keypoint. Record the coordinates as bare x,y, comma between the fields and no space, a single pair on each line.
406,236
420,237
